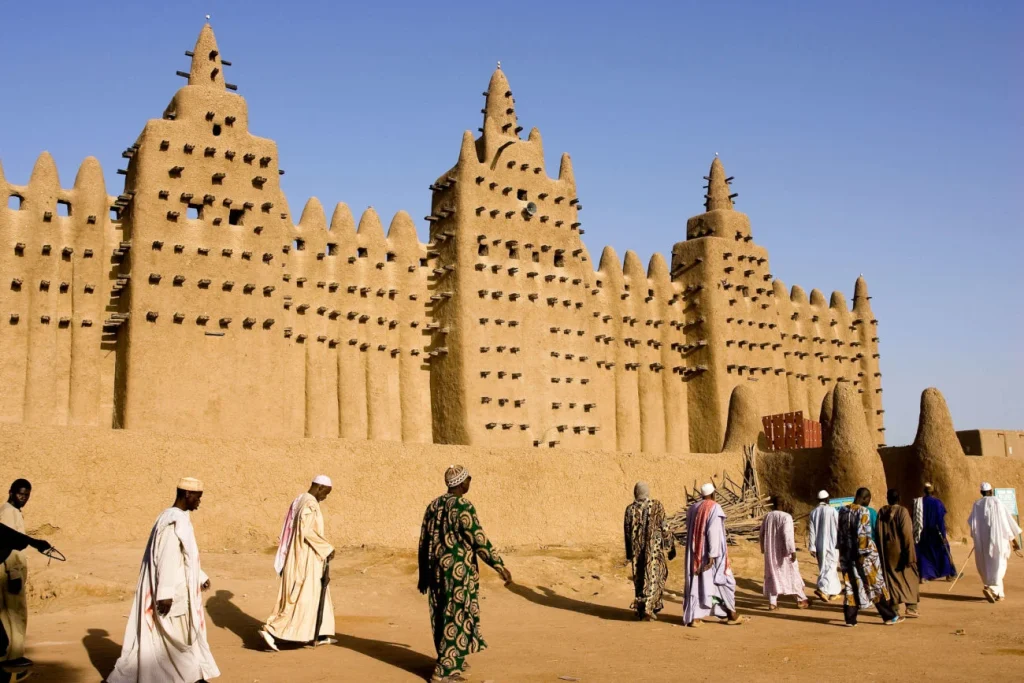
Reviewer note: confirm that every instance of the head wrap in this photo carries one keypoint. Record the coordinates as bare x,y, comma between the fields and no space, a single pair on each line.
822,494
641,491
707,489
455,475
190,484
323,480
985,486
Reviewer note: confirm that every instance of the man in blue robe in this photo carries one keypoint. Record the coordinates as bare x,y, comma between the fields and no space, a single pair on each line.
933,556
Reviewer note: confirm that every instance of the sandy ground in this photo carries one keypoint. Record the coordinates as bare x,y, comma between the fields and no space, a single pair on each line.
565,619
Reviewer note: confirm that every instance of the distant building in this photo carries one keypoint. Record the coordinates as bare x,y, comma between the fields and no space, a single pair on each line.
192,302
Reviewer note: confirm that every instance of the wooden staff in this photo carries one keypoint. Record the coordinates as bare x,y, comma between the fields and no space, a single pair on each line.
958,576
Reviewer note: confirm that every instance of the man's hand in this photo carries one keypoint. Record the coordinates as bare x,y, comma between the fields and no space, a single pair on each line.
40,545
164,606
1015,544
331,556
792,557
505,574
14,586
205,586
422,588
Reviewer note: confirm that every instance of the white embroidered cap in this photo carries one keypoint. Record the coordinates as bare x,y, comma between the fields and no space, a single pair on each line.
323,480
707,489
822,494
985,486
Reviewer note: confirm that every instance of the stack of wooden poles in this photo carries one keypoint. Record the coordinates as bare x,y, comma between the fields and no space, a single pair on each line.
744,505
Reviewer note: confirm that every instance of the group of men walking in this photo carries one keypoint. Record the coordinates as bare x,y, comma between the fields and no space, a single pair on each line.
869,558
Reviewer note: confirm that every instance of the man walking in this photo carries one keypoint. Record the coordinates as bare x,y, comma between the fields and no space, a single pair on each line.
781,571
451,541
302,556
897,553
933,556
649,547
710,583
995,532
823,528
165,639
859,567
14,577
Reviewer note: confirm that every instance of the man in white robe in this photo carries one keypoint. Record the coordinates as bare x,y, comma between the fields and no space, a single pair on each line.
824,524
995,532
14,579
710,583
781,571
165,640
302,557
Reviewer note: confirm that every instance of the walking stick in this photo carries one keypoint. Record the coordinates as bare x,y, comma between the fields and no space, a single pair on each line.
326,579
960,575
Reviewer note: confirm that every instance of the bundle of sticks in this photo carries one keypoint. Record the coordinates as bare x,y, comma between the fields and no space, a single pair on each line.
744,505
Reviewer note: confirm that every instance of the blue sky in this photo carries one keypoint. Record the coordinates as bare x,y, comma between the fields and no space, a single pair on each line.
875,138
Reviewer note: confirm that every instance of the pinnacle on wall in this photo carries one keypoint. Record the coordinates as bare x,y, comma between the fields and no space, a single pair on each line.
500,106
207,66
718,195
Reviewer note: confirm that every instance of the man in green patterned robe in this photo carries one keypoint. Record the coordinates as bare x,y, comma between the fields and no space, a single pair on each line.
451,540
648,540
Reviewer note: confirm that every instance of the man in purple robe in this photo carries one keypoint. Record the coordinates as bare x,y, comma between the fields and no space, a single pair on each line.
933,556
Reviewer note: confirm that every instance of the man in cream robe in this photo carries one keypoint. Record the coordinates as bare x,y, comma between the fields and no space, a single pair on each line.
822,544
165,640
301,558
995,531
14,578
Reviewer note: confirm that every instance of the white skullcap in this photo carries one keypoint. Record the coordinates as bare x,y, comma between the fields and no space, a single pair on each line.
928,485
822,494
455,475
323,480
707,489
985,486
190,484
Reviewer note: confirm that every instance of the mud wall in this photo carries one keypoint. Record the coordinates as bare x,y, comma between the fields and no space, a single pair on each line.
107,486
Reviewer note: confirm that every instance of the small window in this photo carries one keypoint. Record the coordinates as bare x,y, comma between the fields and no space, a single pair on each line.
650,293
390,256
362,252
559,258
481,250
423,263
521,194
216,129
63,208
235,216
115,215
332,249
299,245
513,253
195,212
14,202
213,55
536,257
600,284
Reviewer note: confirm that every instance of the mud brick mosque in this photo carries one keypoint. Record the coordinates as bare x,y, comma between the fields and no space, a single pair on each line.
192,302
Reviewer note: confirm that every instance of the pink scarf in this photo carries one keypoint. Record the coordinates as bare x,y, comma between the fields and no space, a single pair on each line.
287,532
699,534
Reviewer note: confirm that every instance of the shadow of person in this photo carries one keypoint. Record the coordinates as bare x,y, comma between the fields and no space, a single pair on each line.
103,652
545,597
398,655
226,614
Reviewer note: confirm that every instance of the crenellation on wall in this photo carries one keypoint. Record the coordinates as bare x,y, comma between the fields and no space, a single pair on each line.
210,311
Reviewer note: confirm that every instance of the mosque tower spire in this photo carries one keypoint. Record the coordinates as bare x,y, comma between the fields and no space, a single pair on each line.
207,67
500,105
718,195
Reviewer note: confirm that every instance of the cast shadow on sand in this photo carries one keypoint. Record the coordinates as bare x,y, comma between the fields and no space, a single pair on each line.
545,597
227,615
103,652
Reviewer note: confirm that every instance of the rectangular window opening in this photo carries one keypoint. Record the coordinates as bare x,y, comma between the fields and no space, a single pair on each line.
513,253
332,249
559,258
236,216
14,202
390,256
63,208
521,195
299,245
481,250
362,252
195,212
536,257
